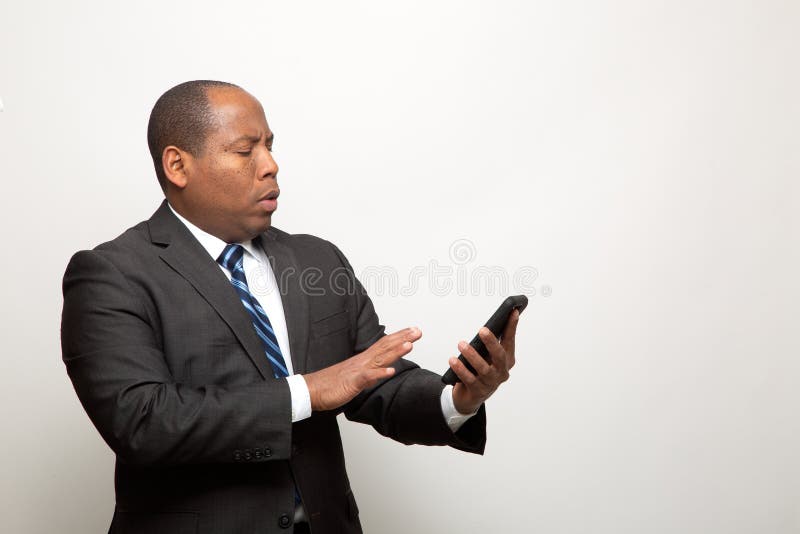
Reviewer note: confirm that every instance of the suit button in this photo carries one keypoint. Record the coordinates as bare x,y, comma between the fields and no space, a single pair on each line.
284,521
237,456
258,453
248,455
267,452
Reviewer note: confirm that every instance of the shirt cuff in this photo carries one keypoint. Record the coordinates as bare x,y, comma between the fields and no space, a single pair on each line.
301,399
453,417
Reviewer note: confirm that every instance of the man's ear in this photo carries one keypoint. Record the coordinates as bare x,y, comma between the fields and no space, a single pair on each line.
174,161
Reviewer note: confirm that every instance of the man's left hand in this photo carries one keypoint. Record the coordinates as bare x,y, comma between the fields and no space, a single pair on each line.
474,389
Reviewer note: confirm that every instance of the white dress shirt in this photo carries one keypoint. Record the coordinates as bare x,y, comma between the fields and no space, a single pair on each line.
264,287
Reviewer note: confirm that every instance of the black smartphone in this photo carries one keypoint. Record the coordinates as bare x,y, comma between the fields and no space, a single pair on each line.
496,323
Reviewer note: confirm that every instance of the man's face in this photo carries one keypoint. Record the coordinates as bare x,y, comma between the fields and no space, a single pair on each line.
232,186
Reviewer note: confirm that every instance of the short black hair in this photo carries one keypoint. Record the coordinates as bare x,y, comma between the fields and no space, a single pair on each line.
181,117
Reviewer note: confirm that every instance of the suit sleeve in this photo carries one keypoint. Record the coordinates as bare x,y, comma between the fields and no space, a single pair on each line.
114,359
407,406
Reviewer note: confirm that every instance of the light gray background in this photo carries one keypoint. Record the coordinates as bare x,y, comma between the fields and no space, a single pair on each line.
643,156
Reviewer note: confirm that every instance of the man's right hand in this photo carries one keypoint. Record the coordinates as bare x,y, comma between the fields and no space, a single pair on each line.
336,385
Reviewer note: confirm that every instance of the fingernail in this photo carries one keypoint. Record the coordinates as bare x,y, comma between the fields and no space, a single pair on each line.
462,345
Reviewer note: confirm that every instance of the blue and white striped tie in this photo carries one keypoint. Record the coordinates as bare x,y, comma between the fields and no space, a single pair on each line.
232,258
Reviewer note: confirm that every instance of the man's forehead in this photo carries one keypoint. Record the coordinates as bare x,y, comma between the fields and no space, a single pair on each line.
233,100
238,113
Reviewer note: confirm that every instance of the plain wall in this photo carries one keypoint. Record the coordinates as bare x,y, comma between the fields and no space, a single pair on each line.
643,157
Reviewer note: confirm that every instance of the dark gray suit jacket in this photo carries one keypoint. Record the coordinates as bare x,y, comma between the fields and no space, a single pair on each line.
166,362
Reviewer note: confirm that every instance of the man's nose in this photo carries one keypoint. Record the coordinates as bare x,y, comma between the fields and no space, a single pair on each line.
268,168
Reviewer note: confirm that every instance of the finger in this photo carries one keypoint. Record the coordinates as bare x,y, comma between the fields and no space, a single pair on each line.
373,375
500,364
370,377
463,374
508,338
412,333
499,356
510,330
386,356
496,351
477,362
389,341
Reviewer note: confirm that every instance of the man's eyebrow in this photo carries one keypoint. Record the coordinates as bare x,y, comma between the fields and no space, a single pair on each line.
252,139
248,138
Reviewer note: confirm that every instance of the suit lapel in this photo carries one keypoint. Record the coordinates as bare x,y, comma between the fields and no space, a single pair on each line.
295,302
189,259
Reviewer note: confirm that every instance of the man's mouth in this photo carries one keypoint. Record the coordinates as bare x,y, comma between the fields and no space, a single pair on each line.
270,200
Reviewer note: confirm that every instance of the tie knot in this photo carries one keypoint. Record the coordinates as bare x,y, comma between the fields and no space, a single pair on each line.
231,255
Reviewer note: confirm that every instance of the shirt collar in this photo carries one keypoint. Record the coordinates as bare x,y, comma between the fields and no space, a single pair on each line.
212,244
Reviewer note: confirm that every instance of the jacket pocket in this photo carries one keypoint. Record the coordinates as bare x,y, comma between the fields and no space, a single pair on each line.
331,324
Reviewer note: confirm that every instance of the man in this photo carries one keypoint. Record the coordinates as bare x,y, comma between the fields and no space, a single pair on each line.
213,364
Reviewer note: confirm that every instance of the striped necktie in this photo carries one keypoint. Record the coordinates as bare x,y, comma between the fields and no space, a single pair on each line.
232,258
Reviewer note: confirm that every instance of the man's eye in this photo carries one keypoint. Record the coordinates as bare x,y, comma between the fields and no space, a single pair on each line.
244,152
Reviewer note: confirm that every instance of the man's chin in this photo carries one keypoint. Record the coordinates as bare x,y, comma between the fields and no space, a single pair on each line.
263,224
